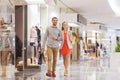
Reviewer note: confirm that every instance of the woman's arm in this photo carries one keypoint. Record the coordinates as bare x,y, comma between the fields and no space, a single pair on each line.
70,36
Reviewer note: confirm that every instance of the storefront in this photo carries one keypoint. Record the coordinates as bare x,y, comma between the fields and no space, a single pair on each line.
7,40
30,28
19,27
29,23
98,41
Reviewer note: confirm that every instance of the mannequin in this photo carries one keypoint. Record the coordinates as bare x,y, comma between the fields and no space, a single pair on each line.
33,36
5,47
33,44
38,37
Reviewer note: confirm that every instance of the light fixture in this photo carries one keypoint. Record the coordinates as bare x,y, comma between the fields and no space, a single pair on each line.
73,25
115,5
35,1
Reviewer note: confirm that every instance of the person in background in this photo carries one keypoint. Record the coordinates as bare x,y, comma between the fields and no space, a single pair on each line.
2,21
2,24
66,47
52,36
101,51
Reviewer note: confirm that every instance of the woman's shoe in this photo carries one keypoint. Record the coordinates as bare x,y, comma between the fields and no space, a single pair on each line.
66,73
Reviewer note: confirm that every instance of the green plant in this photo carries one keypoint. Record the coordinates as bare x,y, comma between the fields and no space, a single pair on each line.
117,49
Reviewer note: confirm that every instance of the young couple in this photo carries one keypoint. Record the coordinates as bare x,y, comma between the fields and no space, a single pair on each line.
53,36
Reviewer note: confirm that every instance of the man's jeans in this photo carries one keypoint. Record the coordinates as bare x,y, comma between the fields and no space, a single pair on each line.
52,58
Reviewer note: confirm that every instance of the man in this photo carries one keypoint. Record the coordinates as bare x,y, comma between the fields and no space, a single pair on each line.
52,36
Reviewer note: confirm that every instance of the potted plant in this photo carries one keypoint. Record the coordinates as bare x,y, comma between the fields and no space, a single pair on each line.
117,49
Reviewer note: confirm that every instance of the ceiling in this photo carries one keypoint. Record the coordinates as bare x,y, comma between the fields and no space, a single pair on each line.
95,11
12,2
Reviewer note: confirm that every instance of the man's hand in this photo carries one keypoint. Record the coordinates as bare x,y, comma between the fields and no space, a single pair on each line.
54,38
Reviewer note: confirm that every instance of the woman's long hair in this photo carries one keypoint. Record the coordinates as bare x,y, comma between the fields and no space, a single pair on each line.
62,25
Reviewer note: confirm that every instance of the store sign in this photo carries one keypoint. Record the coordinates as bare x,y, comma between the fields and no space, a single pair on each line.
74,18
102,27
81,19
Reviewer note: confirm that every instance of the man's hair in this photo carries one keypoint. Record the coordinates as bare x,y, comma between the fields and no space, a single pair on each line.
54,18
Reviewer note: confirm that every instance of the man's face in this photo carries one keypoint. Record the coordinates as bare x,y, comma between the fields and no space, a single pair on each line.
54,21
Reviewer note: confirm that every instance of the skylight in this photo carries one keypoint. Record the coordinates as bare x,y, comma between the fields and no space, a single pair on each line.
115,5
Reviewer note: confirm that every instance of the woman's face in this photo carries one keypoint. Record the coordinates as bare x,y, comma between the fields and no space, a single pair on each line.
65,26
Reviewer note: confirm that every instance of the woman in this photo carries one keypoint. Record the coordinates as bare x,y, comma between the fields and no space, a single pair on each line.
66,46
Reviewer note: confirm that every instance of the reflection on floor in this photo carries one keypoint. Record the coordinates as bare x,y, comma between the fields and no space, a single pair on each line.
7,72
88,69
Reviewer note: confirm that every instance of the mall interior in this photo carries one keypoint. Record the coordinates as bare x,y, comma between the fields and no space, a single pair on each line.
95,53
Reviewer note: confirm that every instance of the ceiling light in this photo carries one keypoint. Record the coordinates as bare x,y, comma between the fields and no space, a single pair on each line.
73,25
115,5
35,1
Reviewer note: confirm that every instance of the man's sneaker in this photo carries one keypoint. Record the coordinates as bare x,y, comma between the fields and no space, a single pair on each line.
49,73
53,74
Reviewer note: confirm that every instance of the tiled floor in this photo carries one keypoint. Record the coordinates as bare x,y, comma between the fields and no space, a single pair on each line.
86,69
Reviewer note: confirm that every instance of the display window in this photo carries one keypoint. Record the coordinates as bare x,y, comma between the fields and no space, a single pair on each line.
7,50
97,44
7,40
34,55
